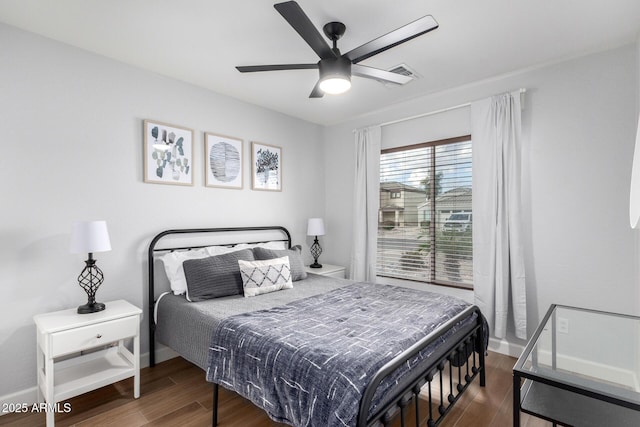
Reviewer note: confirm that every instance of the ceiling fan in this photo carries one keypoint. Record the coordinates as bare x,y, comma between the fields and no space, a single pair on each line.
335,68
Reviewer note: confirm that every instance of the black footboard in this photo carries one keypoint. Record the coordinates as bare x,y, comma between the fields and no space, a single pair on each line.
464,360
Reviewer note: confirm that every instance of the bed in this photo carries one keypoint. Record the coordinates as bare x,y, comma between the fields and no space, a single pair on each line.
322,351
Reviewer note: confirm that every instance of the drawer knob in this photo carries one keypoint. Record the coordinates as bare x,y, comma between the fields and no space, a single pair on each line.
98,336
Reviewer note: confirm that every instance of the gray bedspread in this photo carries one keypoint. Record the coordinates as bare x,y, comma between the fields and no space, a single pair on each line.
307,363
186,327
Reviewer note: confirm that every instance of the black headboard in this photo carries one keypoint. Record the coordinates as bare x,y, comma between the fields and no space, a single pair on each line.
156,247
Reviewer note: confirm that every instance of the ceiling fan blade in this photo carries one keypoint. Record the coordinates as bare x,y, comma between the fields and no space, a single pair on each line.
378,74
316,92
405,33
300,22
254,68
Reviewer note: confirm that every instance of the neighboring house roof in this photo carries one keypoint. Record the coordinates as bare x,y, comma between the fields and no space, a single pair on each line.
459,197
392,186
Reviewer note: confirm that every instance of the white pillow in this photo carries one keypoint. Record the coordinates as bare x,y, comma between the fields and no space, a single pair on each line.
173,264
261,277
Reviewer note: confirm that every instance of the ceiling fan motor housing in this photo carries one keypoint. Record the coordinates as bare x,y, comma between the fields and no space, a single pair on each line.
335,67
335,71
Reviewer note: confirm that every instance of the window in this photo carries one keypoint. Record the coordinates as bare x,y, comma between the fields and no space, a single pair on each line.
426,235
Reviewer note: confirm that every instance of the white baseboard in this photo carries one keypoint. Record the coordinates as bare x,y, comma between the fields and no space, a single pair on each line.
29,396
505,347
586,367
18,399
163,353
590,368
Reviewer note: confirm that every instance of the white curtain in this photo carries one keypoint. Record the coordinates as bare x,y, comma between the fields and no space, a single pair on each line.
498,260
366,201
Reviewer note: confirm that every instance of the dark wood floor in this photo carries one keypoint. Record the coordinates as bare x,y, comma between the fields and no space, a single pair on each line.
175,393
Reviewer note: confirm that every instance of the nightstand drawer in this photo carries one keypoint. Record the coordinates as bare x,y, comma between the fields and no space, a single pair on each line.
86,337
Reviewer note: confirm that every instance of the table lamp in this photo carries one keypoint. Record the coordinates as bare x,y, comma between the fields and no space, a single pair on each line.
89,237
315,227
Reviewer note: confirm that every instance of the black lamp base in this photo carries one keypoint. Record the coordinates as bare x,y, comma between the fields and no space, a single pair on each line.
90,280
91,308
316,250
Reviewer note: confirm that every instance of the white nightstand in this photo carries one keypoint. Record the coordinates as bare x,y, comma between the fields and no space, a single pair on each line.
328,270
67,333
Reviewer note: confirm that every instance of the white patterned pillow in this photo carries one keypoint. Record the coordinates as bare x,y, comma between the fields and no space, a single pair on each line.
262,277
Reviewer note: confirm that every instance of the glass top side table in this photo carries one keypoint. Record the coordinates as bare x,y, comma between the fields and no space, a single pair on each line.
580,368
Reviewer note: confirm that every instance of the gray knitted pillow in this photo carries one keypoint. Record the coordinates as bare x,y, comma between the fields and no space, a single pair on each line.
298,271
216,276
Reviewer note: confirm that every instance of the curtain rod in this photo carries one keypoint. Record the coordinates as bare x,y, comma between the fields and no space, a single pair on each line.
431,113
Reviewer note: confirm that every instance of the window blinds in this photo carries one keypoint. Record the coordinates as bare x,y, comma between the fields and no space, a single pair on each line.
425,218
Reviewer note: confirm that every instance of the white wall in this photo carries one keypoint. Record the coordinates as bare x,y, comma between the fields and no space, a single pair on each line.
578,130
71,132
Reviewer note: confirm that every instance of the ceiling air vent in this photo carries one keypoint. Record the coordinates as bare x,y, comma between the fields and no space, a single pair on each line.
404,70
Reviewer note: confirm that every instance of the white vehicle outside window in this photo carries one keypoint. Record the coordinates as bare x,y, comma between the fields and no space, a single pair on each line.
458,222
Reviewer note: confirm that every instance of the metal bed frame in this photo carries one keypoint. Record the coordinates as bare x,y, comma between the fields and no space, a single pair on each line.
461,353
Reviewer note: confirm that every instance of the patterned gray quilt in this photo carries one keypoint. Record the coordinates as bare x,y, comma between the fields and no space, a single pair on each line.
307,363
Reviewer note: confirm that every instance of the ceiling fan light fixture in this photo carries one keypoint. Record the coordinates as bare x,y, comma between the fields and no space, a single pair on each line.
335,75
335,85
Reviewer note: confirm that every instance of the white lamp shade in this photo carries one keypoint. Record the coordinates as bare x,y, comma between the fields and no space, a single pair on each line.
634,197
315,227
89,237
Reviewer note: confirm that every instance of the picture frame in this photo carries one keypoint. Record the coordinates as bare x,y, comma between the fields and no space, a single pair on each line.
168,154
224,161
266,167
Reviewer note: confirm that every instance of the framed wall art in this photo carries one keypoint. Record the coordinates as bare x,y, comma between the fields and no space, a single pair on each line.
168,154
266,167
223,161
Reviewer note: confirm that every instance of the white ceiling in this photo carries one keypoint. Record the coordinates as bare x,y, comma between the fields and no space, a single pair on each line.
201,41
